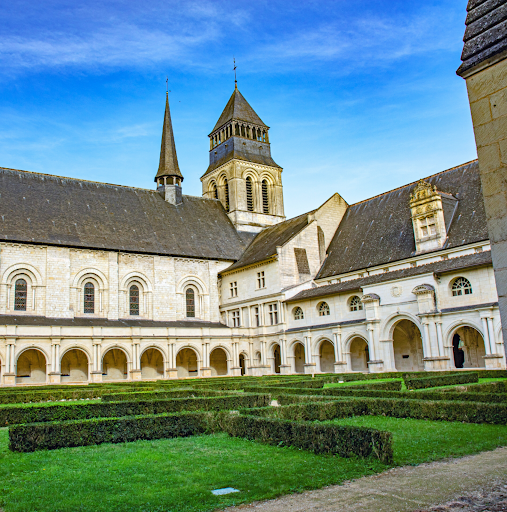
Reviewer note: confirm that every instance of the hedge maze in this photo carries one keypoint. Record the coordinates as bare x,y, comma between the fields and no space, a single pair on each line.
290,410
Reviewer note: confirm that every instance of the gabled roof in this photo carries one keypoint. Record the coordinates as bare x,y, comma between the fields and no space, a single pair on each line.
379,231
168,165
45,209
437,267
265,243
486,32
239,109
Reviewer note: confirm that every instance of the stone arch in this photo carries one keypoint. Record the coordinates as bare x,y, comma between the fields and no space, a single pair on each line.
468,346
74,365
407,346
391,321
31,366
326,355
187,362
299,356
145,290
99,281
219,361
213,189
152,363
276,358
33,279
358,353
115,361
200,292
33,274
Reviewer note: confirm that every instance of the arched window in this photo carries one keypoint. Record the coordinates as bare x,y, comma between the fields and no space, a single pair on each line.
298,314
226,205
89,298
134,300
461,286
20,294
190,298
265,198
355,304
249,195
214,191
323,309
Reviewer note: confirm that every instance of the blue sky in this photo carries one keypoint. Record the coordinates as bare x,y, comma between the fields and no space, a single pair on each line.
361,95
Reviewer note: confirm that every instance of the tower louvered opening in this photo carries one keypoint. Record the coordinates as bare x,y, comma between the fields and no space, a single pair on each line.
249,195
265,197
226,205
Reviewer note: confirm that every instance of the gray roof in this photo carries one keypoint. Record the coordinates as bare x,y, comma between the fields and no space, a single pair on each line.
438,267
239,109
101,322
379,231
45,209
265,243
168,165
485,34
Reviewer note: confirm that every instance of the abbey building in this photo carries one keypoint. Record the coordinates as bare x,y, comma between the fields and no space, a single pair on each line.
104,282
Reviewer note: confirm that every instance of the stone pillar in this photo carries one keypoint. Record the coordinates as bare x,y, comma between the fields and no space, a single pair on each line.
55,374
340,365
205,370
135,372
171,370
235,366
485,330
96,375
284,362
10,363
310,367
485,70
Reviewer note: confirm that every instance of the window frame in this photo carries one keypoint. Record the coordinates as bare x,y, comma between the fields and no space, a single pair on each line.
298,313
20,294
236,318
233,289
273,313
86,310
133,302
261,280
323,309
355,305
463,288
187,305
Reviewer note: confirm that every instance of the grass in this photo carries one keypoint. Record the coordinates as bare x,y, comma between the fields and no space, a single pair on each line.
418,441
178,474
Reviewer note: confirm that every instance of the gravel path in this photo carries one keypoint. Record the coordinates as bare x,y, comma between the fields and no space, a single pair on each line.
477,482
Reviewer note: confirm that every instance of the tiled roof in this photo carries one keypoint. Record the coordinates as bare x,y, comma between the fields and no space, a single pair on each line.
438,267
239,109
45,209
26,320
265,243
379,231
485,34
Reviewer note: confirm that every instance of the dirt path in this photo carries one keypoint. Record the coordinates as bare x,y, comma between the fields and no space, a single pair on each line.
403,489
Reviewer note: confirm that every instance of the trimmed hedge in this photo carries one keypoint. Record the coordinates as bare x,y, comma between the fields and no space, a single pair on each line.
440,380
344,441
50,436
63,412
161,395
303,408
493,387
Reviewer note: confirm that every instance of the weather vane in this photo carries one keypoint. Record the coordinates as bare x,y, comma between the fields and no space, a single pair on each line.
235,79
167,85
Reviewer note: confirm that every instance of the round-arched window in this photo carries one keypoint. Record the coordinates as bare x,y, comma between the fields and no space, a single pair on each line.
461,286
355,304
298,314
20,294
134,300
323,309
190,302
89,298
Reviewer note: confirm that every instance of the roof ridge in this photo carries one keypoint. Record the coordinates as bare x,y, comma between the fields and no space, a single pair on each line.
75,179
414,182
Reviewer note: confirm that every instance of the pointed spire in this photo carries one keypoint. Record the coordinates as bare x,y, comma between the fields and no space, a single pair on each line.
168,165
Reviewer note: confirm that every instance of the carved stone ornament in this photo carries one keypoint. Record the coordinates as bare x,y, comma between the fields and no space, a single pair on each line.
423,190
396,291
423,289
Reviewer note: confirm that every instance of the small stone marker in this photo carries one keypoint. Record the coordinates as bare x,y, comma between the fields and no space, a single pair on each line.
225,490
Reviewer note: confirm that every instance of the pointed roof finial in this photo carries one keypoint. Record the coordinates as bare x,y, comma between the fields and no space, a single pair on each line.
235,79
168,165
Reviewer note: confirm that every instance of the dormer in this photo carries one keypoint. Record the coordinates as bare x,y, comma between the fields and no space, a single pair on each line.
429,210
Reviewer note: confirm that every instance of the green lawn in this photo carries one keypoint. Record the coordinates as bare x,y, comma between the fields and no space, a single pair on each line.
417,441
178,474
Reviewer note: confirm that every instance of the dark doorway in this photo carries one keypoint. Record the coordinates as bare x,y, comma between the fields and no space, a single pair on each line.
276,355
457,349
242,364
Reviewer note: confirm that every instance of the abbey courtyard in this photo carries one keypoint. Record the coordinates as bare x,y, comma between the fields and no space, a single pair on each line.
103,282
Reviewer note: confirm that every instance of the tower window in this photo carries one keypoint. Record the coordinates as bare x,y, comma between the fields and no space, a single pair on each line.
265,198
89,298
234,289
261,280
190,300
134,300
20,294
461,286
249,194
214,190
227,206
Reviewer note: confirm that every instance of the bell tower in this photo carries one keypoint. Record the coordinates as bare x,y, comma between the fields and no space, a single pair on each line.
241,173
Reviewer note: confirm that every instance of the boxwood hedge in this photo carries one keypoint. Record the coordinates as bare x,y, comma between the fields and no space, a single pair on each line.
440,380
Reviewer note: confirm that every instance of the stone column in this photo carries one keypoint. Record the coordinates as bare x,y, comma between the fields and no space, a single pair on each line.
485,330
10,363
310,367
340,365
284,363
135,372
96,375
171,371
235,366
55,374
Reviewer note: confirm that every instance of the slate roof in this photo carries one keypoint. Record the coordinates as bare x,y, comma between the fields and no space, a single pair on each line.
379,230
485,34
239,109
100,322
265,243
438,267
45,209
168,165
